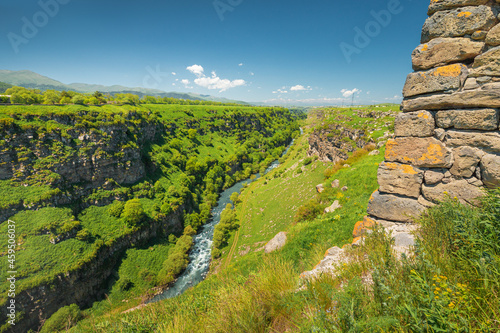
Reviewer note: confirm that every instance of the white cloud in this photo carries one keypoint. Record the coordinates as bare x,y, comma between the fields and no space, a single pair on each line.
300,87
196,70
174,73
394,98
282,90
310,101
216,82
241,64
186,83
213,82
348,93
252,73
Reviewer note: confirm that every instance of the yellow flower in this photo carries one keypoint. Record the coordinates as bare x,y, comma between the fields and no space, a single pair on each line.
451,305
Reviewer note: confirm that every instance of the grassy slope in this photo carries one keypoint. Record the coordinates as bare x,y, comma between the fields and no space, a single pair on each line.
265,210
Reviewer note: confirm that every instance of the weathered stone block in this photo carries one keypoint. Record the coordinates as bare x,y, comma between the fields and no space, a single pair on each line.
493,36
435,80
488,96
416,124
394,208
479,35
335,205
487,64
437,5
420,152
478,119
276,243
442,51
400,179
362,227
488,142
471,83
466,161
458,22
434,176
490,170
459,189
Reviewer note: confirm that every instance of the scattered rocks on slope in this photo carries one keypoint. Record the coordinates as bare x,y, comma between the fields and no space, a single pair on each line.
276,243
336,205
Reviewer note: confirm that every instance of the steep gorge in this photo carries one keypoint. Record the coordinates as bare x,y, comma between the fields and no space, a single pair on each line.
80,158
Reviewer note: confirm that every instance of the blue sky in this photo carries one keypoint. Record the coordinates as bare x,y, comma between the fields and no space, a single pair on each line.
254,50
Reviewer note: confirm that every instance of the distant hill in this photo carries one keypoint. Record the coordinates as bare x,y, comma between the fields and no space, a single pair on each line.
4,86
29,79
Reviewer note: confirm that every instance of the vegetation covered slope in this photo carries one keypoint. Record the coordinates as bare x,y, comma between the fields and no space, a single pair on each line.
254,291
450,283
84,184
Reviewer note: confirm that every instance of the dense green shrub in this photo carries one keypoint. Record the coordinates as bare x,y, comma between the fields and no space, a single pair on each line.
62,320
228,222
133,213
116,209
309,211
177,259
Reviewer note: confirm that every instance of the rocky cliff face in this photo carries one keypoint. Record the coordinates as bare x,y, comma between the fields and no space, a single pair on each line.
83,155
335,139
331,145
88,283
447,138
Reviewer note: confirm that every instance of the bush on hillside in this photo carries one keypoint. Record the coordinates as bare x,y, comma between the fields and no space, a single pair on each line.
228,222
309,211
62,320
133,213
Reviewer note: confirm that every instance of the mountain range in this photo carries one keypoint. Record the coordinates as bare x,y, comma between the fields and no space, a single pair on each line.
29,79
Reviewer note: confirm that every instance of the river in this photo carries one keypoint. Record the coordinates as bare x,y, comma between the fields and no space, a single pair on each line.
200,254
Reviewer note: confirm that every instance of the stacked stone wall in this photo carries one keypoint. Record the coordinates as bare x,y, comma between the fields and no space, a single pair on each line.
447,139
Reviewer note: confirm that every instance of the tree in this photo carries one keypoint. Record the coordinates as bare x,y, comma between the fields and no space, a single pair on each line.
133,213
78,99
51,97
99,97
192,134
127,98
235,198
21,95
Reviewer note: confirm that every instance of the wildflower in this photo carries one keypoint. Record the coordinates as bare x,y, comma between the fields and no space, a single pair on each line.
451,305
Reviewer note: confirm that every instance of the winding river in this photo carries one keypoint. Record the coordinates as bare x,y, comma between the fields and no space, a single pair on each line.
200,254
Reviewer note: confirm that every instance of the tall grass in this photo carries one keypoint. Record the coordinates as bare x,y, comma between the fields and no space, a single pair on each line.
450,284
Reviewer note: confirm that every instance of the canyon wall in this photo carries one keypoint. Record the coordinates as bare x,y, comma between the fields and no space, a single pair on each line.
447,140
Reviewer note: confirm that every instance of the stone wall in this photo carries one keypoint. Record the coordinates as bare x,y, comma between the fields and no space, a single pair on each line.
447,140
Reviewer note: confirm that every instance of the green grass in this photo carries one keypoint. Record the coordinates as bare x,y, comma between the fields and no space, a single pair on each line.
13,194
37,260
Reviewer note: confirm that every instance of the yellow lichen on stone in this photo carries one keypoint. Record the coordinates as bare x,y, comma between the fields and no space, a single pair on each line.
405,168
423,115
434,153
451,70
389,149
408,169
425,48
466,14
